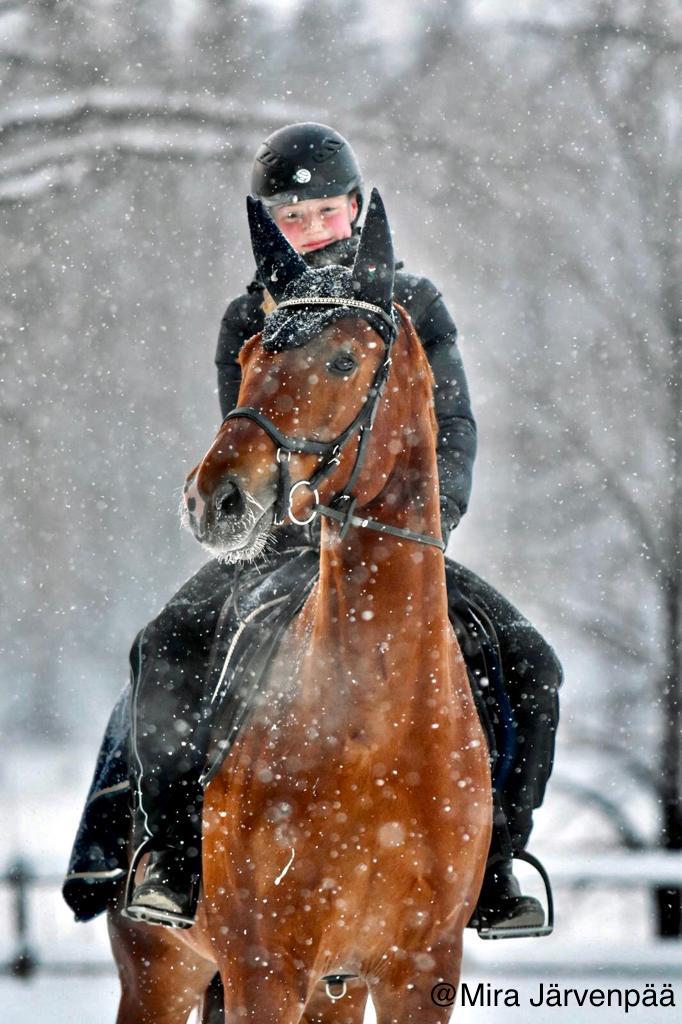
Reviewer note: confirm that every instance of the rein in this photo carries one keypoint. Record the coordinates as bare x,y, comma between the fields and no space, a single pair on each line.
342,507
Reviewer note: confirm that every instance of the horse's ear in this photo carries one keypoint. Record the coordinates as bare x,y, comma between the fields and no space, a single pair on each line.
374,267
277,261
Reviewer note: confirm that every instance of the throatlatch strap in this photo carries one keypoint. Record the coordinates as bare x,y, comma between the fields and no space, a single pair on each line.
373,524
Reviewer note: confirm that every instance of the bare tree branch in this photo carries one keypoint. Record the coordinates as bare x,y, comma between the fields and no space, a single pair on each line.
604,30
85,125
117,106
25,60
584,446
632,840
599,740
11,6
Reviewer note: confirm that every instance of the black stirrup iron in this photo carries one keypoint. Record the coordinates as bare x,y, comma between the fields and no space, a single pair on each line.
523,931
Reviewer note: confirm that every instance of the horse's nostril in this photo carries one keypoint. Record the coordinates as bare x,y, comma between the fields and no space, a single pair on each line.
230,501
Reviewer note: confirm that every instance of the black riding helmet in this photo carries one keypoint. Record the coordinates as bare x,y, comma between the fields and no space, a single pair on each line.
305,161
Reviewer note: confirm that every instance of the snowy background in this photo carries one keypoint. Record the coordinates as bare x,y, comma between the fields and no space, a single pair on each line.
530,164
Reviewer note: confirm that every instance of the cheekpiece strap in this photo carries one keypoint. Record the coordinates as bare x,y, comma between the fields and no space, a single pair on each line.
329,300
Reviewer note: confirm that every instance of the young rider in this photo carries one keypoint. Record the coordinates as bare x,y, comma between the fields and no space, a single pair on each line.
309,178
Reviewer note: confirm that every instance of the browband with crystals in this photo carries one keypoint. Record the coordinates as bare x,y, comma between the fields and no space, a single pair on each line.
328,300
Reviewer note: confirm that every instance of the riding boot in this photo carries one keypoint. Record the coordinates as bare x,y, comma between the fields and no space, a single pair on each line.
168,747
169,828
169,891
501,904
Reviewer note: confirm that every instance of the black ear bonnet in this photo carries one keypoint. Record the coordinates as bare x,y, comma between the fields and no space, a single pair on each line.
287,277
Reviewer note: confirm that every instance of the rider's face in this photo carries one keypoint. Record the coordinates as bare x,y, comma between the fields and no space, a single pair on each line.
315,223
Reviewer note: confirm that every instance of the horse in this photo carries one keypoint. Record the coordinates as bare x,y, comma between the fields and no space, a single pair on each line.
345,835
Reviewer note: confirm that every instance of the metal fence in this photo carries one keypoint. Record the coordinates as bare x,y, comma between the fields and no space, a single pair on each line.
21,882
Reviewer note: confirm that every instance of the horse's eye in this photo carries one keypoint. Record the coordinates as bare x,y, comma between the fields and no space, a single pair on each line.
343,363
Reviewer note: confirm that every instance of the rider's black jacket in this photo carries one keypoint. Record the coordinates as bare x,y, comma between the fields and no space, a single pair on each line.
244,317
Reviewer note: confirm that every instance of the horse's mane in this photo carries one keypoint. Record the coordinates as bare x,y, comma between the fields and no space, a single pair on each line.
421,377
247,347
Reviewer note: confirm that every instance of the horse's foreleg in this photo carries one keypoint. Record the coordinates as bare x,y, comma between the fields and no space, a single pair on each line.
162,979
422,990
269,995
349,1009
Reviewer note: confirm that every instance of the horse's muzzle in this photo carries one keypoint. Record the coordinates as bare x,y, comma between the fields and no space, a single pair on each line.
228,523
224,514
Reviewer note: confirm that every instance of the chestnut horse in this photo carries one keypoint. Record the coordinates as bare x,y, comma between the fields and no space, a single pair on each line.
348,828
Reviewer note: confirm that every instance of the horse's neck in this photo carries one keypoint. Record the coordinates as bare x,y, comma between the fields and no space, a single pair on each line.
380,585
381,604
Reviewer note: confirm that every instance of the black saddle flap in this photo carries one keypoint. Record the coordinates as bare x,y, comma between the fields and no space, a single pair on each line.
247,637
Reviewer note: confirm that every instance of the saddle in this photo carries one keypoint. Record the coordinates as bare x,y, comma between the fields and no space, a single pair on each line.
247,635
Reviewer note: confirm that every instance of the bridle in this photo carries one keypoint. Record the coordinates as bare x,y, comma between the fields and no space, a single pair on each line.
342,506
